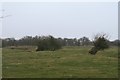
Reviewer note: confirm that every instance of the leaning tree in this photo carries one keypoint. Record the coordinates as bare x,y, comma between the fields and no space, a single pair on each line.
100,42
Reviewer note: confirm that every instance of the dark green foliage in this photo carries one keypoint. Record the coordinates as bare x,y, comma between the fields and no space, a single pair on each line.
0,43
116,43
100,43
84,41
33,41
8,42
48,43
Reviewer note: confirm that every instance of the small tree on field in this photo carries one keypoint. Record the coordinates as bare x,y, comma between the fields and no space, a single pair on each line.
100,43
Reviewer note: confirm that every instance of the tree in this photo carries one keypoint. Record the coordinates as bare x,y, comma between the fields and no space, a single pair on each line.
100,43
48,43
0,43
116,42
8,42
84,41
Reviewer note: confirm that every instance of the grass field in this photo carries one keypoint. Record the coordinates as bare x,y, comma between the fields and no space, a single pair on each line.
69,62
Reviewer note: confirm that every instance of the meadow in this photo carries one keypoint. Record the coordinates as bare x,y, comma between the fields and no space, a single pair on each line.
68,62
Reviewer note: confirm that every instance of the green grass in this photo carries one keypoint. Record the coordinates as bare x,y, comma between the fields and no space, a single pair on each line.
65,63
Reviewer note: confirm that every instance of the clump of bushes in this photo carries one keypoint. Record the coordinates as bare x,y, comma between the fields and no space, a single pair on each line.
48,43
100,43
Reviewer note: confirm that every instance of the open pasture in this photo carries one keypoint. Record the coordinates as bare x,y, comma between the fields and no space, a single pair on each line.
68,62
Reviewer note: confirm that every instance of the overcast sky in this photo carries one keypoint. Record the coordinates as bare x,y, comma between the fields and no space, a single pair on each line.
65,19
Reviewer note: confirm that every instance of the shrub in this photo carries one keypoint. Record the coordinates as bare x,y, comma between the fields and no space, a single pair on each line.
100,43
48,43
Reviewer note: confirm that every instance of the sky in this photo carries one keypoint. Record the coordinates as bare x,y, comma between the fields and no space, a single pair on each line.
59,0
60,19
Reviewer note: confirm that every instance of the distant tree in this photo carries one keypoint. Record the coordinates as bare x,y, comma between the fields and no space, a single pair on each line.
0,43
116,42
61,41
84,41
100,43
8,42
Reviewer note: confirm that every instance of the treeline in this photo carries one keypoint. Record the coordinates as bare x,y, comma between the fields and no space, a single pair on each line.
0,43
33,41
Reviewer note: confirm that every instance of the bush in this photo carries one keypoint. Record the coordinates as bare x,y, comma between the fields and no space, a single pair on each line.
100,43
48,43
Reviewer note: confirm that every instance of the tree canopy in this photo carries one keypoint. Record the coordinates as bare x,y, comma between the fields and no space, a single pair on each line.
100,43
48,43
